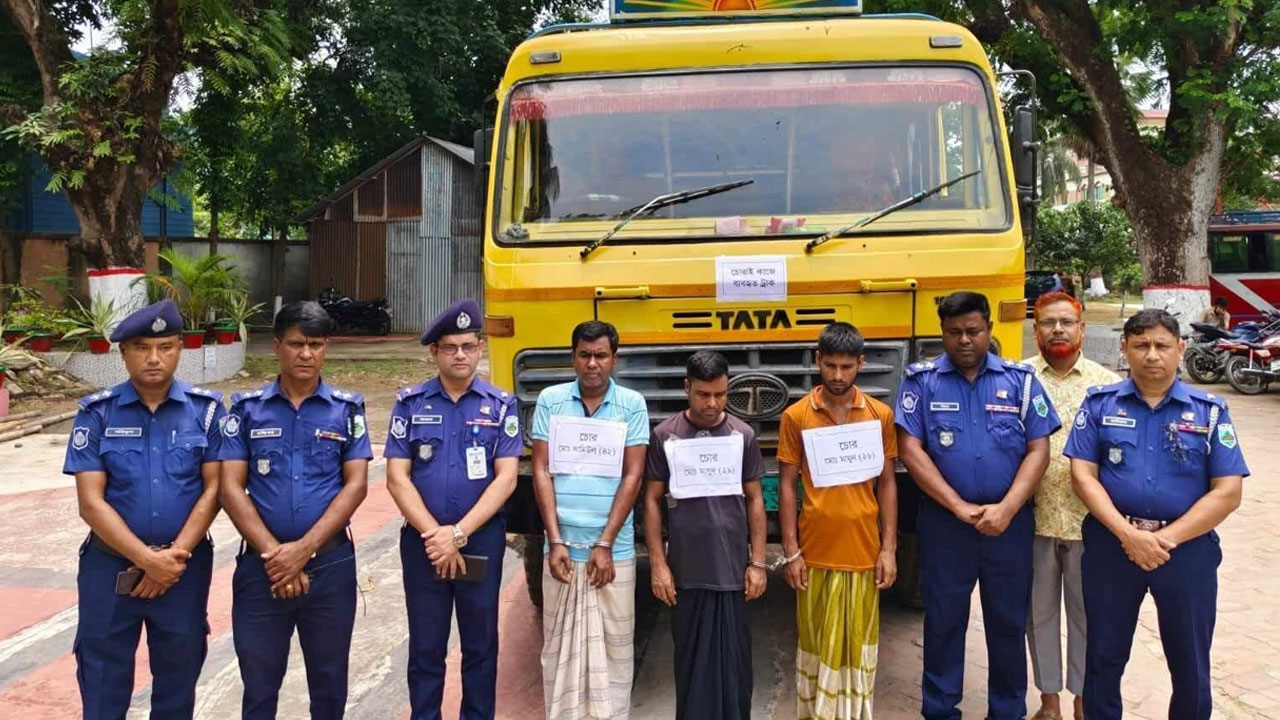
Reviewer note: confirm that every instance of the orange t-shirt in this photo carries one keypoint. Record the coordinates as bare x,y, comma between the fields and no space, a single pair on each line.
839,526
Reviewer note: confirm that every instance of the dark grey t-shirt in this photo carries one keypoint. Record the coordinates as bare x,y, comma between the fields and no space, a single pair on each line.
708,546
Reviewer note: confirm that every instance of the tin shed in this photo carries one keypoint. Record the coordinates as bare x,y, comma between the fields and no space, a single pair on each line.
407,229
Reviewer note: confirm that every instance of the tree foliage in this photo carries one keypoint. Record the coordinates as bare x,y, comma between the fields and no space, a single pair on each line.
103,125
1084,236
376,75
1216,63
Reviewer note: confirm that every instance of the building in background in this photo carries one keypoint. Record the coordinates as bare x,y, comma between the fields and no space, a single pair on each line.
407,229
37,211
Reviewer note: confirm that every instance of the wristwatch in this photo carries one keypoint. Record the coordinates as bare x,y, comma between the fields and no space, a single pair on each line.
459,537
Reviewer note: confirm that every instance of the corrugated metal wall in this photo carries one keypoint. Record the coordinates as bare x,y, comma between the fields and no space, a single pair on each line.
333,256
437,241
405,264
424,257
404,187
465,226
371,261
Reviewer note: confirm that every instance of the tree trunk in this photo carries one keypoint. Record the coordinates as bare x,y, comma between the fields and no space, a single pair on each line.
1093,170
108,208
279,249
10,263
1169,207
213,228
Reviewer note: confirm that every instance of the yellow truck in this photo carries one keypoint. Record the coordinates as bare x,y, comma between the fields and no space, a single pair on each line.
717,174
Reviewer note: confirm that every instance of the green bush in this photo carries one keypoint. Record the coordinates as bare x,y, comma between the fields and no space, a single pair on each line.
1086,235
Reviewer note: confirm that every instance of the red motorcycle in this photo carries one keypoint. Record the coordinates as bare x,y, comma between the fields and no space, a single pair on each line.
1253,365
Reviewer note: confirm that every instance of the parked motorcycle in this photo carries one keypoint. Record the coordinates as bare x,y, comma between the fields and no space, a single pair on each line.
1254,365
1209,348
371,316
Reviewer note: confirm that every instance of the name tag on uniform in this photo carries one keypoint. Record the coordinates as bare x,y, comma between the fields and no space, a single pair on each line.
844,454
427,419
1123,422
265,433
1002,408
123,432
705,466
476,469
944,407
586,446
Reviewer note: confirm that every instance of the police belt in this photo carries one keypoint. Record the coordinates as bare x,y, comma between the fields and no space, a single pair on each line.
333,543
1145,524
100,544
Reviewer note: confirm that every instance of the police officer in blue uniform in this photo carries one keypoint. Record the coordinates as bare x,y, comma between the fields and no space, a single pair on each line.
144,456
973,430
295,467
1159,466
452,450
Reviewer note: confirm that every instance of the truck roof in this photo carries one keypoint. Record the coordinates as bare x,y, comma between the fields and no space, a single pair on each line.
655,46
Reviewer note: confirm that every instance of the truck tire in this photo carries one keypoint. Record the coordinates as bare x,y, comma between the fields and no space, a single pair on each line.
533,568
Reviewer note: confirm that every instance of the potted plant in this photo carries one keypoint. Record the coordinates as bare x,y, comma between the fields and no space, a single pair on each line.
236,313
44,325
197,285
96,322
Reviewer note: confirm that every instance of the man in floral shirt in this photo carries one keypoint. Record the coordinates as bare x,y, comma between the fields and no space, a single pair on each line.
1066,375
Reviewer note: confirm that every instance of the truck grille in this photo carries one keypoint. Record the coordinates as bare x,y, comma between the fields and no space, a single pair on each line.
760,372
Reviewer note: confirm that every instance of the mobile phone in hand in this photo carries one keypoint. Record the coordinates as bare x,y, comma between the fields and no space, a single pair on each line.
127,580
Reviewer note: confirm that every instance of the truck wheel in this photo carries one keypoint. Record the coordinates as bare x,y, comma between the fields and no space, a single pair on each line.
533,568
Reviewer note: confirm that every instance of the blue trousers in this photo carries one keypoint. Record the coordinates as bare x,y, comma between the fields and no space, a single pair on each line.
1185,590
431,603
263,631
953,557
110,626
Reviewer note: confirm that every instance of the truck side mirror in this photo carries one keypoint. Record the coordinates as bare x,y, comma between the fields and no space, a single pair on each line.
482,145
1025,152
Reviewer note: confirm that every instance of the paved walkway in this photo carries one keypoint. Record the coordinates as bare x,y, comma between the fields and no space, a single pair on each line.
38,545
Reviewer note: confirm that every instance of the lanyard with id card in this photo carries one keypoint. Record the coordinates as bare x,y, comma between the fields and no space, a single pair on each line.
477,465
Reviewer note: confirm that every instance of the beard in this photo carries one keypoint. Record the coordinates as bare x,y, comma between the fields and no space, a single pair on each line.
1059,349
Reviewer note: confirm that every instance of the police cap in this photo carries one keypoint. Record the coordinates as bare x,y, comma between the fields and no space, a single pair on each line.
158,320
460,317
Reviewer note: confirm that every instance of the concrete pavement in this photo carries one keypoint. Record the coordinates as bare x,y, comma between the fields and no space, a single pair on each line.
41,533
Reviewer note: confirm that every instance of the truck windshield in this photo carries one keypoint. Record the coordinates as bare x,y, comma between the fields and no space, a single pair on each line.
822,146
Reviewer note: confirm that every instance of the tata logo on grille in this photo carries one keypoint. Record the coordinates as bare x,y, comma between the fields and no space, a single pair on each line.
757,396
753,319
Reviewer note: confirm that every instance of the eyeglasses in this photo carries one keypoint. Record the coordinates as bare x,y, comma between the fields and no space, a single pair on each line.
1067,324
451,349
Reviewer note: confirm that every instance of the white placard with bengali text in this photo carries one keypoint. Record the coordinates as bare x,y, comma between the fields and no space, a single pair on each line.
752,278
844,454
705,466
586,446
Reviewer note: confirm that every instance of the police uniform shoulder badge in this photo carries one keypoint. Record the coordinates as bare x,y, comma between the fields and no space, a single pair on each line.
357,426
1042,407
1226,435
1082,418
511,426
80,438
231,425
909,401
398,427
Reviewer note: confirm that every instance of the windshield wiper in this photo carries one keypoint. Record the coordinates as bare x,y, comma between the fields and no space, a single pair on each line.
914,199
658,203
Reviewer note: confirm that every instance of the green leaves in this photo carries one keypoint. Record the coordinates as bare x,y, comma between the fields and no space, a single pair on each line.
1083,236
